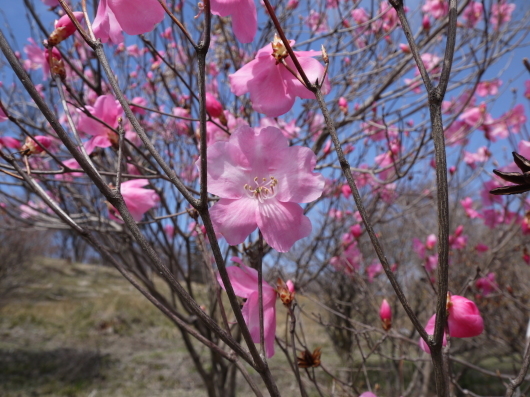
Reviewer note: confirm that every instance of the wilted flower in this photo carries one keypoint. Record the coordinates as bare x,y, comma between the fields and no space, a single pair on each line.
522,179
306,359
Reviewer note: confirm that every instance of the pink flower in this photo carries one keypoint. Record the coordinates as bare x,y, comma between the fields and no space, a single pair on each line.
436,8
501,13
485,88
385,314
527,89
467,204
473,14
487,284
132,16
137,199
317,22
482,155
349,261
368,394
106,109
244,17
373,270
463,320
272,87
245,283
260,179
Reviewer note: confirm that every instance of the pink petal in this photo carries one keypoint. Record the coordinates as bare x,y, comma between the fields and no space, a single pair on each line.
268,89
245,22
134,183
239,80
137,16
464,318
297,182
429,328
282,224
235,219
226,176
244,280
244,17
106,26
97,141
251,315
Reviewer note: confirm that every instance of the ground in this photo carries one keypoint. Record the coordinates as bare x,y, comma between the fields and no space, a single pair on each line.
82,330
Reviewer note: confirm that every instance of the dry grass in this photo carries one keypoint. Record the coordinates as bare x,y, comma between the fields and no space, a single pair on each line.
82,330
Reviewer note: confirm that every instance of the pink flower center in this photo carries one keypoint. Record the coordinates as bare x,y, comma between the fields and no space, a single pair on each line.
264,190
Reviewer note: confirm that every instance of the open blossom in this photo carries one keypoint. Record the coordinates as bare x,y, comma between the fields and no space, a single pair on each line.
244,17
132,16
272,87
137,199
106,109
463,320
245,283
436,8
260,179
487,284
473,13
501,13
485,88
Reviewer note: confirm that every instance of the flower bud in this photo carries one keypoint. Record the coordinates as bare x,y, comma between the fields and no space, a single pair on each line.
426,23
31,147
385,313
56,63
213,106
285,291
64,28
343,105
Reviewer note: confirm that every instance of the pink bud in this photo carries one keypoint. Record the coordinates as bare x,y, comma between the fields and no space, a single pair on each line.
343,105
292,4
213,106
64,28
356,230
426,23
32,147
405,48
431,241
481,248
385,313
290,286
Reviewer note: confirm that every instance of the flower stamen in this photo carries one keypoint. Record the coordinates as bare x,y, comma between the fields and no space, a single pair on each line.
264,191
